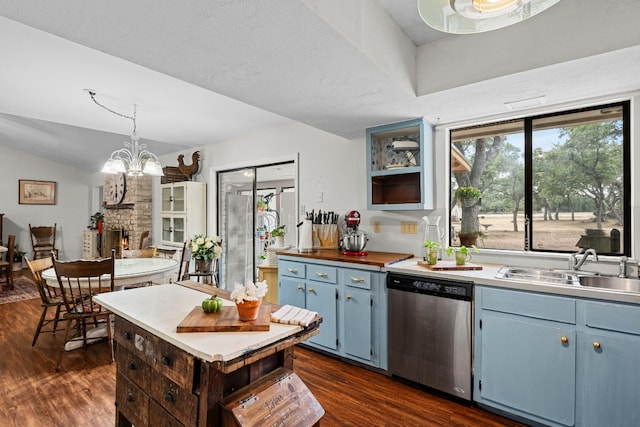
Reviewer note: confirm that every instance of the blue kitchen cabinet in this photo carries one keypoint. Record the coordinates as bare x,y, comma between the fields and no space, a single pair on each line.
321,298
292,291
358,318
357,321
525,355
609,379
312,287
351,301
400,166
545,357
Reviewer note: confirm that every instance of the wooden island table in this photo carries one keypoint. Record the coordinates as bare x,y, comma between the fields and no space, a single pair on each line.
170,378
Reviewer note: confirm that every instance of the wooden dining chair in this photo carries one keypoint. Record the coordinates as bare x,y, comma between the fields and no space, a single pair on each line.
79,282
6,267
185,259
139,253
50,297
145,240
43,241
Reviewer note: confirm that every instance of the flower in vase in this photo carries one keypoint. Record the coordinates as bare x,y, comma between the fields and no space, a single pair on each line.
249,291
205,248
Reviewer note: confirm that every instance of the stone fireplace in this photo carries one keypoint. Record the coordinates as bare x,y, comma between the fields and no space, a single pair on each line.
131,217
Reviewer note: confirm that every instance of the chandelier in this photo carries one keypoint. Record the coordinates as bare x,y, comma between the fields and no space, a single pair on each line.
135,159
478,16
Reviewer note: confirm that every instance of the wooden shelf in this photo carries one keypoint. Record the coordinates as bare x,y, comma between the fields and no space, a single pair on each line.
120,206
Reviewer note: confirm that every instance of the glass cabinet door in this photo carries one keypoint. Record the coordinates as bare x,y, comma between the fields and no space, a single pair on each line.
179,229
179,204
166,199
166,229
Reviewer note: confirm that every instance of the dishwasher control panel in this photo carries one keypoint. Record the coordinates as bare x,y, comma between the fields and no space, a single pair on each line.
426,285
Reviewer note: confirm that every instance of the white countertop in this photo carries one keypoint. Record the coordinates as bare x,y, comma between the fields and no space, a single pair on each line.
487,276
159,309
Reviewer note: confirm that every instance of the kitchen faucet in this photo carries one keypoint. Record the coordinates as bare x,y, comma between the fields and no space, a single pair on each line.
575,265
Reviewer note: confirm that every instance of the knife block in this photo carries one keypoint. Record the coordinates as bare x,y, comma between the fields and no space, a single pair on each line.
325,236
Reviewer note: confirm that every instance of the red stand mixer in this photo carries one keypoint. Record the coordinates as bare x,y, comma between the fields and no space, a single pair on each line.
354,240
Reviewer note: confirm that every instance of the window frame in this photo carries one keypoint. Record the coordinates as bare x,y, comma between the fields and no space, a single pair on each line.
528,121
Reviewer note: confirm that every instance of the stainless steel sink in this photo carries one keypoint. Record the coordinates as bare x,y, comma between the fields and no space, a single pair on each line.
539,275
608,282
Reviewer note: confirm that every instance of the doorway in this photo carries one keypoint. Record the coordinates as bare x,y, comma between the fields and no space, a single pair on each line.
252,202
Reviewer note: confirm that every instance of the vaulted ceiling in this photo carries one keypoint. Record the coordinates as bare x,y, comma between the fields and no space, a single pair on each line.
207,71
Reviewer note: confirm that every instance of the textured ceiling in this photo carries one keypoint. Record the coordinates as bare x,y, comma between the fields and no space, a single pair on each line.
207,71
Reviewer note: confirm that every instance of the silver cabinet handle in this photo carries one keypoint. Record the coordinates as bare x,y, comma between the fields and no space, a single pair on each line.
357,279
323,275
311,290
349,297
299,287
292,270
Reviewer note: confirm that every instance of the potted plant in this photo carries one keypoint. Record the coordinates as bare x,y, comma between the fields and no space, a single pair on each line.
261,232
262,205
248,298
469,228
17,258
278,235
462,253
204,250
468,196
95,220
432,251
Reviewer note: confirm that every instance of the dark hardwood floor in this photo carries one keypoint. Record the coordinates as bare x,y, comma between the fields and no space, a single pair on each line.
83,393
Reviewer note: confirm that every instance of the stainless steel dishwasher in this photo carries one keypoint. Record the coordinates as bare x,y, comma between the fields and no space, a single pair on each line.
429,332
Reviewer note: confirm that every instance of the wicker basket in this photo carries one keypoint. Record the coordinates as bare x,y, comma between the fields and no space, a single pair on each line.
172,174
468,202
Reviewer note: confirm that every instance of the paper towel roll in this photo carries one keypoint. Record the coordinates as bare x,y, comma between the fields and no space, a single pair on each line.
305,243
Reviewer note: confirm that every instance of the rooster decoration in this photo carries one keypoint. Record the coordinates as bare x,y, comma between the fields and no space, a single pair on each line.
189,170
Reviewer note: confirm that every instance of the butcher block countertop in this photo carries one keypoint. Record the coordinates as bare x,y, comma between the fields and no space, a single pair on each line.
377,259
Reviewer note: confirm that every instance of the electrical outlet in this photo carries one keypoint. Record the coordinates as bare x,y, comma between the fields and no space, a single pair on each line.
376,226
408,227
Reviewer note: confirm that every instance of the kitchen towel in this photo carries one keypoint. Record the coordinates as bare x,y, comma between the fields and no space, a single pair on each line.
293,315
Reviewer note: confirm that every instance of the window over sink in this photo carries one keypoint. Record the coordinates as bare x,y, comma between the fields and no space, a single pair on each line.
555,182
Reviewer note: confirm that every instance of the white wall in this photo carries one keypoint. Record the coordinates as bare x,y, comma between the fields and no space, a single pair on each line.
328,164
71,211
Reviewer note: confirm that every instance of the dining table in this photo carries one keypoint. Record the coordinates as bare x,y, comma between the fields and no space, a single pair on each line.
131,271
127,271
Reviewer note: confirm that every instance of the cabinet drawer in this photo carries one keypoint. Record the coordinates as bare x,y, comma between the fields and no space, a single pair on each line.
534,305
613,317
321,273
134,368
162,357
159,417
175,399
356,278
292,269
130,337
171,362
132,402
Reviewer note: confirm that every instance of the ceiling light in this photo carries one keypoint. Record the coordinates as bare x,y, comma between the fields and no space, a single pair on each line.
135,159
478,16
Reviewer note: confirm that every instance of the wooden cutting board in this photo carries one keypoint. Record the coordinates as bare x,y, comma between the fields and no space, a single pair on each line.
225,320
449,265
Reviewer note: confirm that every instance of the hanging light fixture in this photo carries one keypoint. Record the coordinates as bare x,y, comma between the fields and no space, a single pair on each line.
135,159
478,16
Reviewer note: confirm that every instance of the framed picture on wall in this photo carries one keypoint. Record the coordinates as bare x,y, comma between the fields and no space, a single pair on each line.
36,192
